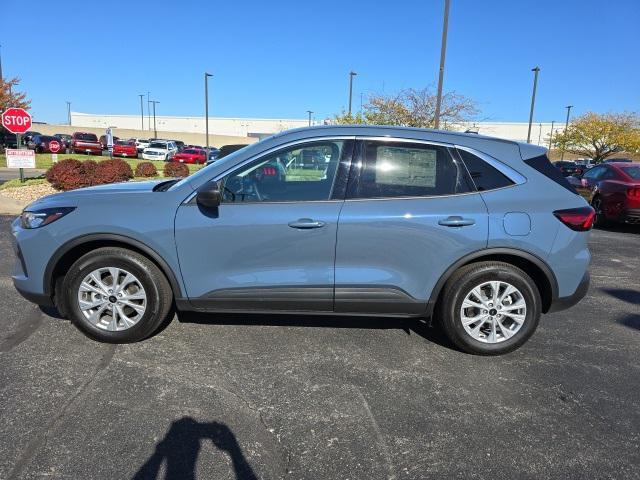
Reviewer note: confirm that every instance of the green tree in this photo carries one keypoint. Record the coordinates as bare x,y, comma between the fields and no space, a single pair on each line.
412,108
10,97
599,136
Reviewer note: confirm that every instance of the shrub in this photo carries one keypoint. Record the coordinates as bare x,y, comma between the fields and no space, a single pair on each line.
68,174
90,167
112,171
146,169
172,169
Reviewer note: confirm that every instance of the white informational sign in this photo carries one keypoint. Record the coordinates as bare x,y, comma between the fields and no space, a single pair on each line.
411,167
54,157
20,158
109,133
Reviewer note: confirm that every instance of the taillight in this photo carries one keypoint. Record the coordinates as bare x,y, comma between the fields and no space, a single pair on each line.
634,193
579,219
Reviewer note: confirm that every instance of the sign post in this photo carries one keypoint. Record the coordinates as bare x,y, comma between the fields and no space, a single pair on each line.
109,133
18,121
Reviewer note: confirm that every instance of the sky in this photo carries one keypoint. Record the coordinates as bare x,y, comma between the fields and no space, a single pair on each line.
278,59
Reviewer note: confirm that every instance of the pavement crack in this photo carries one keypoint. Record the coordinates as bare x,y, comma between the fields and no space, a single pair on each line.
41,439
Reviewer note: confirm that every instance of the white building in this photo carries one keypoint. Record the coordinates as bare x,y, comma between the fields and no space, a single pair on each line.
261,127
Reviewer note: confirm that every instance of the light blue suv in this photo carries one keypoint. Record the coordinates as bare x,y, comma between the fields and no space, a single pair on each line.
483,234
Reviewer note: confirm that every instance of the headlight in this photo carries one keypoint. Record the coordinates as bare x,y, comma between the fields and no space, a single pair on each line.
42,217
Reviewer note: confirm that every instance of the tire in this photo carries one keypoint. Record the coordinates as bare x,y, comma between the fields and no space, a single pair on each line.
490,339
141,324
600,220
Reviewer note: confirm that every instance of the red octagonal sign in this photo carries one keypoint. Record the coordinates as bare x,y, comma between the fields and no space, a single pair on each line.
16,120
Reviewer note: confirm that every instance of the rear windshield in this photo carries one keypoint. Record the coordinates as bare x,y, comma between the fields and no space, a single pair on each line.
565,164
543,165
162,146
124,142
46,138
87,137
633,172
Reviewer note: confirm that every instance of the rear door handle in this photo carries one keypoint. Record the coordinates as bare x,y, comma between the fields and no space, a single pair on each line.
306,223
456,221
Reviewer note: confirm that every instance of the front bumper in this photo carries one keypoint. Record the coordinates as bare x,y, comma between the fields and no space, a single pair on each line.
562,303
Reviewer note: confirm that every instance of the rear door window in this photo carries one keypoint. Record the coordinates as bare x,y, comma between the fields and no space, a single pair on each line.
405,169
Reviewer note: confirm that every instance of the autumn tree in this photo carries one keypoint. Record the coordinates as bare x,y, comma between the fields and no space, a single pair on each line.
10,96
412,108
599,136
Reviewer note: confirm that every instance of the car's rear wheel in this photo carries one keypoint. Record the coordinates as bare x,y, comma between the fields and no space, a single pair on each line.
489,308
118,296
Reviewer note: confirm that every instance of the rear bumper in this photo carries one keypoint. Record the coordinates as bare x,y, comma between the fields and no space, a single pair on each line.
632,215
562,303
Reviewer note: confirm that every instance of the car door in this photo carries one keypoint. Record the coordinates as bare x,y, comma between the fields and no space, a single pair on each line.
270,245
409,214
589,182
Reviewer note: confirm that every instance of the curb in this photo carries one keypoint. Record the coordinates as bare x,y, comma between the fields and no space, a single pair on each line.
9,206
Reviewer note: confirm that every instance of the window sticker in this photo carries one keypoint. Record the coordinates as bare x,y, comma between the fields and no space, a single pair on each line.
412,167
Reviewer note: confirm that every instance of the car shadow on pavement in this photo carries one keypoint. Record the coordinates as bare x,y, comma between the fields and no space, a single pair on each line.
631,321
180,447
425,328
625,294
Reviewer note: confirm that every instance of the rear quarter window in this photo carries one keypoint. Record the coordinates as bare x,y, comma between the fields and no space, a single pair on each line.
543,166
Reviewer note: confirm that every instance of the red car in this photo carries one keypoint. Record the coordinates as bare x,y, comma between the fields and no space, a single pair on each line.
125,148
613,190
190,155
82,142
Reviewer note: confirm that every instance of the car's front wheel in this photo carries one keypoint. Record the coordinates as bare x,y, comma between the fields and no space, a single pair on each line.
116,295
489,308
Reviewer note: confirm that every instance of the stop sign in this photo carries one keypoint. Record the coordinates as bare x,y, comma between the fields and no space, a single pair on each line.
54,146
16,120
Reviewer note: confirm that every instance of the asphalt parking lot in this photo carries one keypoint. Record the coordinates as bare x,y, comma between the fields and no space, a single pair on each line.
224,397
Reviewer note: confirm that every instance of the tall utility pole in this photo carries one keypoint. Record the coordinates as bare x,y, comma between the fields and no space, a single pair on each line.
309,112
536,70
351,75
155,131
443,54
141,111
148,111
206,108
69,112
1,77
566,126
553,122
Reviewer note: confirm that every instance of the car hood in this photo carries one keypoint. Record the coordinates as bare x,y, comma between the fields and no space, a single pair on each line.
73,198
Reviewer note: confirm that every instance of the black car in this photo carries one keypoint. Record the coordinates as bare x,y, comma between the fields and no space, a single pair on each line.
180,144
615,160
8,139
40,143
65,139
224,151
568,168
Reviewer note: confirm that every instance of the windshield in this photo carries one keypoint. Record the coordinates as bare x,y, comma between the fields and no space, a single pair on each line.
87,137
633,172
228,160
161,146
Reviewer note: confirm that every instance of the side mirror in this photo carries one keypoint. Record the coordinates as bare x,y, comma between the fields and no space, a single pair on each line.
209,196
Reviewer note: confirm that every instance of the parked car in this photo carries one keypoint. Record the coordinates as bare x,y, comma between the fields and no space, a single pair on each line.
125,148
584,163
483,234
613,189
160,150
7,139
179,144
226,150
568,168
65,139
190,155
141,143
28,135
84,142
213,155
103,141
42,144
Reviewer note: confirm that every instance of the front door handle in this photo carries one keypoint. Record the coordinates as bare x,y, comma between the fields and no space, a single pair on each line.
456,221
306,223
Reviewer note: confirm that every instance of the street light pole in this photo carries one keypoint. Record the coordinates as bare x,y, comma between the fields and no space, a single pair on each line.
443,54
551,134
309,112
351,75
148,111
566,126
206,109
155,131
69,112
141,112
536,70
